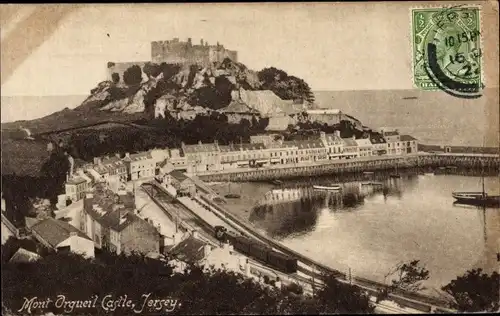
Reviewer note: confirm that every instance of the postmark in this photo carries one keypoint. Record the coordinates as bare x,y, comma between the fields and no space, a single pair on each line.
447,52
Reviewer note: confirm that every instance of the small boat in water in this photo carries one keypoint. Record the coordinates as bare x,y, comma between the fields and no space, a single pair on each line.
277,182
476,198
327,188
372,183
232,196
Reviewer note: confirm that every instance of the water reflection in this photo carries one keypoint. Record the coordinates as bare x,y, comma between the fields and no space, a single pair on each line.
407,218
294,208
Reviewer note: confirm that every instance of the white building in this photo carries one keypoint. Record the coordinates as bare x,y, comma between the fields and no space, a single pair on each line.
61,236
365,147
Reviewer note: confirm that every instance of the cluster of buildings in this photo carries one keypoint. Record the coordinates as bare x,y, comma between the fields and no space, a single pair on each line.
263,151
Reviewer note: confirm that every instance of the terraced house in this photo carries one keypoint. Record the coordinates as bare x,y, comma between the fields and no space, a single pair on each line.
309,150
350,148
333,143
110,221
76,187
202,157
141,165
243,155
365,147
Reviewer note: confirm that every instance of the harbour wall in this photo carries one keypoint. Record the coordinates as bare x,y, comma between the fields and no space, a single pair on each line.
489,163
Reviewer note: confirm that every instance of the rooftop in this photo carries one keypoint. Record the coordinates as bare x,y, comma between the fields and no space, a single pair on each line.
23,255
349,142
196,148
242,147
363,142
304,144
407,138
54,231
76,180
178,175
189,250
139,156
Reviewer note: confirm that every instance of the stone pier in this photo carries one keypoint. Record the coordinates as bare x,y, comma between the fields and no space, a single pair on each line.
489,163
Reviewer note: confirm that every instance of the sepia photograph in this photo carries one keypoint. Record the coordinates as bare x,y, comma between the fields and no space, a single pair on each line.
263,158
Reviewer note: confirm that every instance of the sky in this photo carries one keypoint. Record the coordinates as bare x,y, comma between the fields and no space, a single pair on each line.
343,46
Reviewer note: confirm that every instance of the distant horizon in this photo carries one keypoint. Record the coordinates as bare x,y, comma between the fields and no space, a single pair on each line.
314,91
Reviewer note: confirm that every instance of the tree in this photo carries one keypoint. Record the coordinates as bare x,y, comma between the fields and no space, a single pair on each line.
115,77
339,297
408,276
133,75
475,291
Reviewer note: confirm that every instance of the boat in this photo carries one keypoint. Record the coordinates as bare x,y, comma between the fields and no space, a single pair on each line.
477,198
396,174
372,183
327,188
410,98
277,182
232,196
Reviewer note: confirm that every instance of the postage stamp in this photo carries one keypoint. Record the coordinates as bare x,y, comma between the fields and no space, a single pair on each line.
447,49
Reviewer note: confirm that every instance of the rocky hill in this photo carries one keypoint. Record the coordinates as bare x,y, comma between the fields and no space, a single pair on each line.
168,89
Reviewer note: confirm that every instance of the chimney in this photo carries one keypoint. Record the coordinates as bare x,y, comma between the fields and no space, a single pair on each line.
199,142
189,41
353,137
206,250
201,42
117,155
50,147
67,176
97,160
247,269
337,133
127,155
195,234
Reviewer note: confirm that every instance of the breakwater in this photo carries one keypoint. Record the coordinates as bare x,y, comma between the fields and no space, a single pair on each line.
489,164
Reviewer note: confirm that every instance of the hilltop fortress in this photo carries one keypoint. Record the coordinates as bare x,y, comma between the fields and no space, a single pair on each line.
178,52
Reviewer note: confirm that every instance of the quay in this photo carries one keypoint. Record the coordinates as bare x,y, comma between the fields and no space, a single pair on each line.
488,162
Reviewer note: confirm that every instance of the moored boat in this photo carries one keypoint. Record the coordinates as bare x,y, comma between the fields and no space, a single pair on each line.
232,196
476,198
372,183
328,188
277,182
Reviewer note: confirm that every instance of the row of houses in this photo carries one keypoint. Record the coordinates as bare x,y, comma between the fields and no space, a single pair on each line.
263,150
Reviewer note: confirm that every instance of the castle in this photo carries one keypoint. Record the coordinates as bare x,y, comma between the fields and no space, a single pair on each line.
177,52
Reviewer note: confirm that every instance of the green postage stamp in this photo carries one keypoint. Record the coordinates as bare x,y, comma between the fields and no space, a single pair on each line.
447,49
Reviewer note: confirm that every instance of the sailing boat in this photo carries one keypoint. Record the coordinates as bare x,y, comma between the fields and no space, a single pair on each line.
396,174
477,198
231,195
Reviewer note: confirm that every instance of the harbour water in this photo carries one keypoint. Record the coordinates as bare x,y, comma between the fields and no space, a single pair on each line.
413,217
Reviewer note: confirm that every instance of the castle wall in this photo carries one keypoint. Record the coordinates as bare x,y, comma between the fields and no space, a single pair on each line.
174,51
